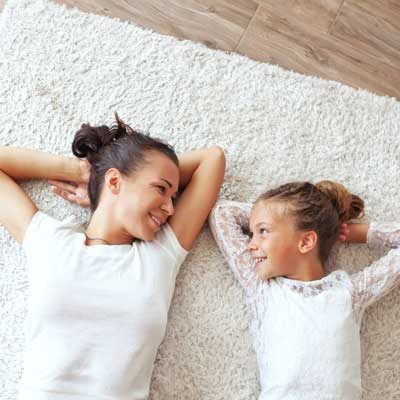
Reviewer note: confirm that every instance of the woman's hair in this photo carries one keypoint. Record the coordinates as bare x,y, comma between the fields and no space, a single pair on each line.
322,208
118,147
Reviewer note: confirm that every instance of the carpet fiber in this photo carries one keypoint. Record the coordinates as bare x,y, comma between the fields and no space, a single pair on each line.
60,68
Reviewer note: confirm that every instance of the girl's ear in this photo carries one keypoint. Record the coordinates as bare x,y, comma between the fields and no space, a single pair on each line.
308,241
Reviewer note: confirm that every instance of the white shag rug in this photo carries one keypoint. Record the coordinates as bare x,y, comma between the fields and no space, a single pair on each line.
61,67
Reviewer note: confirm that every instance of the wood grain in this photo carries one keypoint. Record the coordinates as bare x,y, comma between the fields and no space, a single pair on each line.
298,46
356,42
372,27
218,24
320,14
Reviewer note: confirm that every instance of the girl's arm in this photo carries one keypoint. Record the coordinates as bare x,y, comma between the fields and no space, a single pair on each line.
229,222
383,275
16,208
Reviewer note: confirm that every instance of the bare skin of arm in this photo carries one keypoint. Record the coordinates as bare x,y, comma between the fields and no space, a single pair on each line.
201,174
16,207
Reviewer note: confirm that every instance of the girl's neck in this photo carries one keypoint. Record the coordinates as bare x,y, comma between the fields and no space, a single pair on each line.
308,271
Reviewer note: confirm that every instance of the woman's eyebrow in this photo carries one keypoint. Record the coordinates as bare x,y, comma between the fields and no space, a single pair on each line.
169,183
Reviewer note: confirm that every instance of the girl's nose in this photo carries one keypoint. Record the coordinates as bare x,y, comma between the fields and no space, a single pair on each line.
251,246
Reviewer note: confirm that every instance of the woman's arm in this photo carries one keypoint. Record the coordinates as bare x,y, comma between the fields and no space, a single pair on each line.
383,275
201,174
229,222
16,208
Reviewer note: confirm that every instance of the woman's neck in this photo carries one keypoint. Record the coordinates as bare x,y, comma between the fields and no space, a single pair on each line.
102,227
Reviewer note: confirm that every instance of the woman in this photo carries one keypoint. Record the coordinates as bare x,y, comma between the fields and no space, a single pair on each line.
99,296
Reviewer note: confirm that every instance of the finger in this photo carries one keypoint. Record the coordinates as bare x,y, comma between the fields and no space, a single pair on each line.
68,196
59,191
83,202
63,185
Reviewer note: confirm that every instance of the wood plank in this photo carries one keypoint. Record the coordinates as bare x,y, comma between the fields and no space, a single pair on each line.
371,27
318,13
218,24
297,46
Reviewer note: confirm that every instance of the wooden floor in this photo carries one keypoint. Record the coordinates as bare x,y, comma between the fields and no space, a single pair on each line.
356,42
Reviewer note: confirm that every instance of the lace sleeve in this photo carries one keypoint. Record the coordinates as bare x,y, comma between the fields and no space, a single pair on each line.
383,275
229,222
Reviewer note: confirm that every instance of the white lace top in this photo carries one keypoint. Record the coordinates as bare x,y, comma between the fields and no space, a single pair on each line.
306,334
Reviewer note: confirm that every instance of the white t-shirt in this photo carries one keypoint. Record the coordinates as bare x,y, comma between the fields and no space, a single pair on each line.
97,314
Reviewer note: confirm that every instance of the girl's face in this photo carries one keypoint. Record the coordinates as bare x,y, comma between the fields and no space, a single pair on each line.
274,243
145,201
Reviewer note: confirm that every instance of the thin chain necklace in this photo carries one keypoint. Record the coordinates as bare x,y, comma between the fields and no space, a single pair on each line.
103,240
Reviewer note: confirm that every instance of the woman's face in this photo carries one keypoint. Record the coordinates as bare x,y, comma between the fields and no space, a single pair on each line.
145,201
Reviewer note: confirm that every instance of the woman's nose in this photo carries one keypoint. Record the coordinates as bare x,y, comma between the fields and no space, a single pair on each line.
169,207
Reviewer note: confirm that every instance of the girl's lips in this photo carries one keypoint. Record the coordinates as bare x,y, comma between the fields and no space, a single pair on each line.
258,262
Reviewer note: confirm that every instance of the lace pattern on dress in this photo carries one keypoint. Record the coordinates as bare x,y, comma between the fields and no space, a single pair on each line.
228,222
383,275
314,288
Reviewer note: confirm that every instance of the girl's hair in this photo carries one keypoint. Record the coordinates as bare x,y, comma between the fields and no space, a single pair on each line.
118,147
321,207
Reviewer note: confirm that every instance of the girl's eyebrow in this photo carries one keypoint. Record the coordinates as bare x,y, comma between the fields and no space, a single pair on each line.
263,223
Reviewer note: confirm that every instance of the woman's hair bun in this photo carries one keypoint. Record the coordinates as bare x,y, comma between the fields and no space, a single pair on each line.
348,205
90,139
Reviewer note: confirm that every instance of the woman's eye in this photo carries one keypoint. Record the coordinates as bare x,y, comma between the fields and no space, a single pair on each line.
162,189
263,230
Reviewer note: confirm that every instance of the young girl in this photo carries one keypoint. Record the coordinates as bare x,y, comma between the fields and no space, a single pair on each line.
99,297
306,325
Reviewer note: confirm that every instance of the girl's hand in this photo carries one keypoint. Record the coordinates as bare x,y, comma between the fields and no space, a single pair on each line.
353,233
344,233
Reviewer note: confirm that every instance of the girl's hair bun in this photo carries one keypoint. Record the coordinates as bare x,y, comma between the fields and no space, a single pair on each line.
348,205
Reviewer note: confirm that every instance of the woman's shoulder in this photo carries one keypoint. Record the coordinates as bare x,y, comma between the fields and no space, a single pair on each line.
44,226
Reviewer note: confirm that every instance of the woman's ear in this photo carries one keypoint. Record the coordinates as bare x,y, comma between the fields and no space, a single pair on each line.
308,241
112,180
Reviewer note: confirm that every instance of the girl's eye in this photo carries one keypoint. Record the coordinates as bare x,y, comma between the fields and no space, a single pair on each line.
263,230
162,189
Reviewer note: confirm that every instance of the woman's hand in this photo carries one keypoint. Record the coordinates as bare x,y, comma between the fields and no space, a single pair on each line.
85,170
75,192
